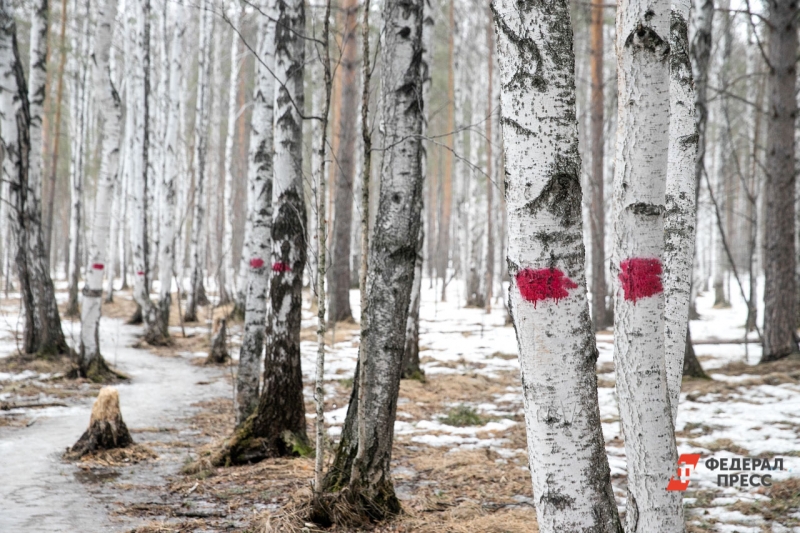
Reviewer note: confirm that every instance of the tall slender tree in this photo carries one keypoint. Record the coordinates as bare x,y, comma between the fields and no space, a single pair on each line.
259,247
278,427
92,364
42,334
680,216
197,292
362,463
78,150
345,169
639,200
548,301
142,181
172,164
597,217
780,301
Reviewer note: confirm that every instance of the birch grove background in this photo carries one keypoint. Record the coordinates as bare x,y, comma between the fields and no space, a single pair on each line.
398,265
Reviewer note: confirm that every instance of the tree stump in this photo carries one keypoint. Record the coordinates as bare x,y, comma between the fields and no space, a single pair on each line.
219,345
106,427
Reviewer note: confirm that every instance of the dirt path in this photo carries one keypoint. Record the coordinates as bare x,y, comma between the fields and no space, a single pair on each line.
40,493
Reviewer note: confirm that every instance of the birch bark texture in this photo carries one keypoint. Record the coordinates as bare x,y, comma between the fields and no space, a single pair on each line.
92,364
392,255
546,261
780,302
639,201
280,418
14,130
154,333
227,275
42,333
681,211
78,128
259,246
172,163
197,293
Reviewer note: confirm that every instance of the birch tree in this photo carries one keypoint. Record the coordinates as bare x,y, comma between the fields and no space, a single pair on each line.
363,457
639,198
197,293
227,277
92,364
411,364
155,331
780,302
79,125
173,163
548,301
680,215
259,245
278,427
42,334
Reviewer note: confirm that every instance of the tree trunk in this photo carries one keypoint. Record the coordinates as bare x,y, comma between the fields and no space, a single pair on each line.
79,125
15,125
227,276
154,332
490,243
278,427
597,218
443,252
411,365
392,256
780,302
42,332
701,56
260,236
411,368
197,294
172,165
57,135
639,196
345,170
681,212
571,481
92,364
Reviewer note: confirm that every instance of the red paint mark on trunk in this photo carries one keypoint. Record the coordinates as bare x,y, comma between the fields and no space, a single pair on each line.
543,284
98,266
641,278
281,267
140,273
256,262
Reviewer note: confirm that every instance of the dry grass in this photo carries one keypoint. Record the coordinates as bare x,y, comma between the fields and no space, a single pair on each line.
136,453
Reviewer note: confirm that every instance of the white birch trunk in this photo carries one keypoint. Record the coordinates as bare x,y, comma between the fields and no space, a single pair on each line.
172,162
639,197
196,295
105,94
680,216
548,301
36,96
154,332
79,124
259,244
215,175
227,275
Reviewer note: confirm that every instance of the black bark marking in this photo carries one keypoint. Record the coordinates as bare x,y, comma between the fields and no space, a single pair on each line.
561,195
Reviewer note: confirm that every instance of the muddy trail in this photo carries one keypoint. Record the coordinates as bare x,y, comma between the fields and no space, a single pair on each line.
42,493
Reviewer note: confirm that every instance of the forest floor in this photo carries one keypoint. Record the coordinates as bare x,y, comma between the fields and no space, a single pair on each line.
459,462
